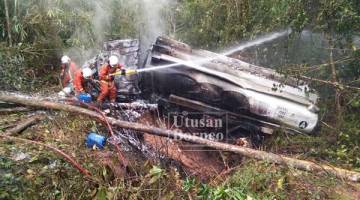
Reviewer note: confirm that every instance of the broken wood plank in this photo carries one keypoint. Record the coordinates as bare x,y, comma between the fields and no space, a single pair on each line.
251,153
25,124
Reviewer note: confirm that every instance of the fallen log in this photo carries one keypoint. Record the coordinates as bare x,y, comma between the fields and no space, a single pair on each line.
252,153
12,110
24,124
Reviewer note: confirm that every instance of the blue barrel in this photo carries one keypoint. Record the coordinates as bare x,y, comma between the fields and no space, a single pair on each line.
95,139
85,97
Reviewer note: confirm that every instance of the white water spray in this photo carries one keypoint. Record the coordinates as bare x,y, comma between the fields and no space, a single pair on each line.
196,63
258,41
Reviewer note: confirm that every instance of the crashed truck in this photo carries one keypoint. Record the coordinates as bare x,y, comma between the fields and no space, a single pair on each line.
253,98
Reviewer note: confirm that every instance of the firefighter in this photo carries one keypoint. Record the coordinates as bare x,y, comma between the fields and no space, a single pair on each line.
68,69
106,78
82,80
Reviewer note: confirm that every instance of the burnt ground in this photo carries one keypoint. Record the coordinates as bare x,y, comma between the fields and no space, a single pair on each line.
196,160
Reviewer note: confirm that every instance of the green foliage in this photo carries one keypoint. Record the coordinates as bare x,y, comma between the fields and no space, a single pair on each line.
188,183
214,24
11,72
347,150
259,180
42,30
338,16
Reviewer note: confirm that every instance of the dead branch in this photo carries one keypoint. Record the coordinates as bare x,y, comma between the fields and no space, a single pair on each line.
335,84
252,153
67,157
24,124
13,110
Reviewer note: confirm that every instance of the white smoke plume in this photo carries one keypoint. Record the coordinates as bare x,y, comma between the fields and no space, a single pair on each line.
153,19
148,19
99,23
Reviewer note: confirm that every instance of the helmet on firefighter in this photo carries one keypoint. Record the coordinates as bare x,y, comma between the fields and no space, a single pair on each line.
113,60
87,72
67,90
65,60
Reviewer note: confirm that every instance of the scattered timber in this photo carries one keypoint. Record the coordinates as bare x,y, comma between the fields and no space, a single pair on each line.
252,153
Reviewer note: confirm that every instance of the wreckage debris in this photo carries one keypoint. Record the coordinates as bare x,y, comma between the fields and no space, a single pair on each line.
231,85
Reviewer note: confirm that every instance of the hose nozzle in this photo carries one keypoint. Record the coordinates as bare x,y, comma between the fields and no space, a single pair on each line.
125,72
130,72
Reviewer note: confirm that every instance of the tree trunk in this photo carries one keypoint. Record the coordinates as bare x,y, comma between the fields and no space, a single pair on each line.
252,153
8,26
335,81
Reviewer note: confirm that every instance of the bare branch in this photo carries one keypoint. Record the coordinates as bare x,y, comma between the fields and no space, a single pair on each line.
335,84
67,157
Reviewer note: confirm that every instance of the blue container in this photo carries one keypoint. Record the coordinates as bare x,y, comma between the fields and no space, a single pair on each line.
95,139
85,97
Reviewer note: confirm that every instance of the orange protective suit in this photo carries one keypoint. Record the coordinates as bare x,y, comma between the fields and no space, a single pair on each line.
79,82
68,72
107,84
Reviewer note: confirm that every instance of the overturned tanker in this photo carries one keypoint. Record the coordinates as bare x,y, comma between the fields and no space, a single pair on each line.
208,82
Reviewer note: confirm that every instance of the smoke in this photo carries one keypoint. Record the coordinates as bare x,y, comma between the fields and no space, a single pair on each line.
95,20
153,20
88,37
96,13
101,20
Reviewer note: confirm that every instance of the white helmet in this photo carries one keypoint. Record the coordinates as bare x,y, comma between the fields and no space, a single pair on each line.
62,94
65,60
67,90
87,72
113,60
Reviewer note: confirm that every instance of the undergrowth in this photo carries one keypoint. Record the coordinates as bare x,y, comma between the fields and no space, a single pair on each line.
45,175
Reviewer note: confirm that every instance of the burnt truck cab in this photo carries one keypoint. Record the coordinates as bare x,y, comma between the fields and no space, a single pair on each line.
254,97
206,81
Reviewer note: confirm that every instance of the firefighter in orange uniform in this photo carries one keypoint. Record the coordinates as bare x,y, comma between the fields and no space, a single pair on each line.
68,69
107,84
82,77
